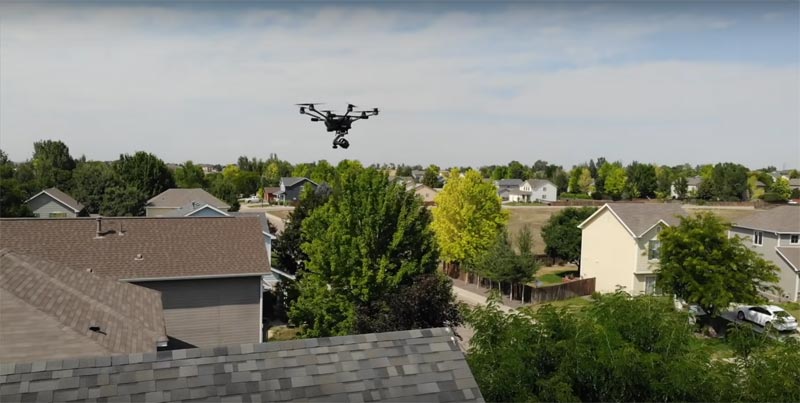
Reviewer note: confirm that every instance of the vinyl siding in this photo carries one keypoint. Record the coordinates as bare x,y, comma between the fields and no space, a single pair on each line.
788,277
44,205
207,212
608,253
211,312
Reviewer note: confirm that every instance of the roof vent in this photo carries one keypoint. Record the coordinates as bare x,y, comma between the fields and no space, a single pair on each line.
99,228
89,270
139,257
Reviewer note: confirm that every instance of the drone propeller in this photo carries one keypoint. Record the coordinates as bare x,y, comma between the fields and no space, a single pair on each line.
311,104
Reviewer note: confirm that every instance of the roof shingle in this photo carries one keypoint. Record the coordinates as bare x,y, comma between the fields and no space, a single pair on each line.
176,198
134,248
781,219
413,365
62,197
640,217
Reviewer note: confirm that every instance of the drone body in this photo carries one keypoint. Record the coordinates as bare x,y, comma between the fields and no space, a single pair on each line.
340,124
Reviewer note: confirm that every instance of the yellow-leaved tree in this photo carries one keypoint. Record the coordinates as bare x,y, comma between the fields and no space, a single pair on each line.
467,218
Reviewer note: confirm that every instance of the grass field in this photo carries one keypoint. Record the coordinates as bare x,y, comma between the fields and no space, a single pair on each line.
535,218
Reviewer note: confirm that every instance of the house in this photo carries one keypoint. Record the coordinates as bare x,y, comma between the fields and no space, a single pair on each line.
53,203
292,187
775,234
692,184
427,194
508,183
541,190
516,195
269,194
51,311
170,200
620,247
208,269
196,209
794,183
411,366
417,175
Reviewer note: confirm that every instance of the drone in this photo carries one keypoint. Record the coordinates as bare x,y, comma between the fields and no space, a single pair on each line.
340,124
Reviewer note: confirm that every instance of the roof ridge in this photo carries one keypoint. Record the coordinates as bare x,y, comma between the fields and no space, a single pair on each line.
71,290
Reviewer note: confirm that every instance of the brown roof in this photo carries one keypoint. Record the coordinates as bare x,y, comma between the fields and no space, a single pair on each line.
640,217
782,219
791,255
146,247
62,197
130,317
180,197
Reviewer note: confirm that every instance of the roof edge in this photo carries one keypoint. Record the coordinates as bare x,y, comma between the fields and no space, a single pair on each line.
213,276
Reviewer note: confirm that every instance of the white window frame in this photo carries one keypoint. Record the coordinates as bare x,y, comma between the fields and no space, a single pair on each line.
758,238
794,239
655,289
658,250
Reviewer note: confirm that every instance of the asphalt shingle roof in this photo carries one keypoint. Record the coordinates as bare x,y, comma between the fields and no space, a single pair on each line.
64,198
176,198
537,183
410,366
144,247
781,219
130,317
792,254
509,182
291,181
640,217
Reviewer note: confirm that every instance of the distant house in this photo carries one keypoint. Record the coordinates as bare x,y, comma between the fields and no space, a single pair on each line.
291,188
170,200
427,194
195,209
692,184
269,194
794,183
541,190
51,311
775,234
420,365
620,246
53,203
417,175
508,183
208,269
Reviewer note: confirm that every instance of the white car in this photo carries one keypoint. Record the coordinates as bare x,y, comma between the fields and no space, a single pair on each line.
253,199
768,316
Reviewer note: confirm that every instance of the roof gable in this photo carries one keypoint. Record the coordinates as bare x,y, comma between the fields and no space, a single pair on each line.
138,248
411,365
130,318
60,197
176,198
294,181
639,218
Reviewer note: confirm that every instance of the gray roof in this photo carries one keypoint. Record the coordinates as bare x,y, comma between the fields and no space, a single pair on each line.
414,365
68,302
291,181
694,181
781,219
640,217
176,198
537,183
792,255
191,207
62,197
508,182
794,182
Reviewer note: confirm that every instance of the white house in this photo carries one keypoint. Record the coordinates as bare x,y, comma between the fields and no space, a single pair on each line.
620,247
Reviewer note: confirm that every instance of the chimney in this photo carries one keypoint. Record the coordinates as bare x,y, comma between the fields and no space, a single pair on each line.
120,233
99,227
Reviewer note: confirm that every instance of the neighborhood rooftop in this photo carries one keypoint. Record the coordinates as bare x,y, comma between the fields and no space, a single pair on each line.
414,365
781,219
640,217
144,247
48,309
176,198
62,197
291,181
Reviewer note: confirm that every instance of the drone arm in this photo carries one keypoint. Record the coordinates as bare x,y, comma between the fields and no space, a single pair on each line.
318,114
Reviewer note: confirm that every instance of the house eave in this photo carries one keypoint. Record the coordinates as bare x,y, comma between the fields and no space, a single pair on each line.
146,279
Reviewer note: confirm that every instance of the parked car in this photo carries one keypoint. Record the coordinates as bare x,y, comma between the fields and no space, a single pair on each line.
767,316
253,199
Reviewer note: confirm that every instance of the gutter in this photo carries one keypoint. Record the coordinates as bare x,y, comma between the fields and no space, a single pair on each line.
133,280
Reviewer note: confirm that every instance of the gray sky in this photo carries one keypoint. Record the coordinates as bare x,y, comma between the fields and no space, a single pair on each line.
458,84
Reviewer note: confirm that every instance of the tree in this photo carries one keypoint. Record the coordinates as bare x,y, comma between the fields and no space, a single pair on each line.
664,180
585,181
90,180
781,188
468,218
144,171
681,187
190,176
561,180
369,239
616,180
12,195
288,255
561,234
574,177
516,170
502,264
123,200
641,180
431,177
499,172
701,265
724,181
52,164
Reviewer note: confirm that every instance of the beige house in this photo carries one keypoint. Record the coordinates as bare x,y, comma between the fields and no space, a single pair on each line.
620,247
775,234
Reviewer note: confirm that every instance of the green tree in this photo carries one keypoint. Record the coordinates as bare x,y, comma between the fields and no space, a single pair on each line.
502,264
12,195
370,238
681,187
52,164
468,218
516,170
561,234
781,188
145,172
90,180
585,181
574,178
190,176
641,180
431,177
725,181
123,200
288,255
561,180
664,179
616,180
499,173
701,265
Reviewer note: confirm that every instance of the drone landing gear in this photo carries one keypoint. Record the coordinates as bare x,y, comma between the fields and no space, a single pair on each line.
340,141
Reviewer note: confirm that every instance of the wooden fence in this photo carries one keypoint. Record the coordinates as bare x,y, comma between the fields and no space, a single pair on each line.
525,294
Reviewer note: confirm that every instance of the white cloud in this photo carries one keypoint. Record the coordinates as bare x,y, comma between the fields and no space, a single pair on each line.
459,88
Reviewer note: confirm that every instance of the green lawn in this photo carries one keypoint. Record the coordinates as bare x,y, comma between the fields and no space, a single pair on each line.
792,307
576,303
282,333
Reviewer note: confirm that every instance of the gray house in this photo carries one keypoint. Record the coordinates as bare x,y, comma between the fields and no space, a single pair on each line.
171,200
775,234
209,270
292,187
53,203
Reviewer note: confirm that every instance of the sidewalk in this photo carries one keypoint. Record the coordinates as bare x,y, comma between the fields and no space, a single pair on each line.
472,298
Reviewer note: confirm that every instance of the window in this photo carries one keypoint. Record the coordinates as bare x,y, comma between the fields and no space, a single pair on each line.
794,239
654,250
758,238
544,188
60,214
650,285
